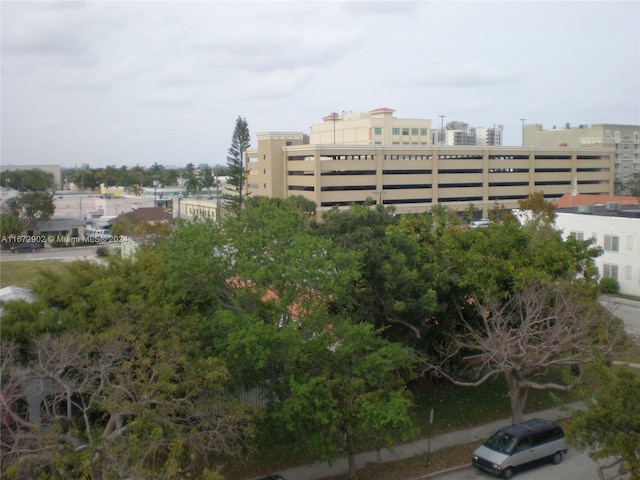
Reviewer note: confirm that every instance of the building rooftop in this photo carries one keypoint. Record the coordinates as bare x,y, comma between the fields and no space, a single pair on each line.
569,200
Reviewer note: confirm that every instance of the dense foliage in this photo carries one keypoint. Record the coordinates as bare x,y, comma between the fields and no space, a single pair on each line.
271,327
31,180
610,424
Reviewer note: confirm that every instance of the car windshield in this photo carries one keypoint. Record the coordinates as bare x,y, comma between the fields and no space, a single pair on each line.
501,442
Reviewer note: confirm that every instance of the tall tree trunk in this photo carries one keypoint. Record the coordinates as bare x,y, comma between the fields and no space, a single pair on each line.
517,395
353,471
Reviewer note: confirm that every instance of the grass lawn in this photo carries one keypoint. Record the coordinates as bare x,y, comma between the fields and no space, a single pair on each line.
23,273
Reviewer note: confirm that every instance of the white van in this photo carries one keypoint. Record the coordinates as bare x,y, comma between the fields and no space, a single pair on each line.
520,446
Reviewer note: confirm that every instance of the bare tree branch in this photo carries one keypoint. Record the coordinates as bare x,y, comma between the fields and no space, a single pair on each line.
522,338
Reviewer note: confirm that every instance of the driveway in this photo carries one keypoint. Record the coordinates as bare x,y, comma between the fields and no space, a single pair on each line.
626,310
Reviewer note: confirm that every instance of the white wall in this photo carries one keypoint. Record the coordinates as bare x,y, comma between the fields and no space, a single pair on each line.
627,258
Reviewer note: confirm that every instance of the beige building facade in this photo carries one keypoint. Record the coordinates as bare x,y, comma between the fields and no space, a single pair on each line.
623,139
377,127
377,156
188,208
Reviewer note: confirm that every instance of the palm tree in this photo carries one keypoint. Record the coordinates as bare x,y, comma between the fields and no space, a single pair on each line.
207,177
192,183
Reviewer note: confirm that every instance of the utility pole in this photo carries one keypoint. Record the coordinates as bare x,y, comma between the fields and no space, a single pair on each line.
334,115
522,120
442,129
380,193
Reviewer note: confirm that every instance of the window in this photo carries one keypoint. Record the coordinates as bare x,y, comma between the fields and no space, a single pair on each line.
611,243
396,131
405,131
414,131
610,271
628,272
577,235
423,131
629,242
378,131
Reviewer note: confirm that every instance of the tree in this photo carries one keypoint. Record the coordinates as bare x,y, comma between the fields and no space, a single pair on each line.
393,288
540,327
31,207
32,180
610,424
10,226
541,209
275,251
356,394
117,405
633,185
208,178
237,172
161,412
192,183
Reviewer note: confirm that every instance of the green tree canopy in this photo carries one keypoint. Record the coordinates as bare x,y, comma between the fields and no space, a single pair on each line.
610,425
31,207
356,395
32,180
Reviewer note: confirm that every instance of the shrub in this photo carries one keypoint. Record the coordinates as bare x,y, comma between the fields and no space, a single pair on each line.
609,285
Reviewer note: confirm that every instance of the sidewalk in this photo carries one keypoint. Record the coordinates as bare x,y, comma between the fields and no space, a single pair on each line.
340,466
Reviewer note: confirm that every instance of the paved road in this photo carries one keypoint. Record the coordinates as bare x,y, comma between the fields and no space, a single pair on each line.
50,253
627,310
576,465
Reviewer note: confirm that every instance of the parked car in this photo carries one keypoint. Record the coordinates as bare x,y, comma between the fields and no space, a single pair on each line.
25,247
520,446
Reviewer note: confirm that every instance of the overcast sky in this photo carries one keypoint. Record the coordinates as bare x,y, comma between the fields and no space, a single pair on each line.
133,83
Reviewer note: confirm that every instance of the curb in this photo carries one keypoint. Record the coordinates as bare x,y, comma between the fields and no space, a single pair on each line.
426,476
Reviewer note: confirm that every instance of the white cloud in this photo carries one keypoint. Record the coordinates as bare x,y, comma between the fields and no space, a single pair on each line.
126,82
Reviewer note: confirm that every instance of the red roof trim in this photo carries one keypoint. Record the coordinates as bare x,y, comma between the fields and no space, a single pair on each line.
382,110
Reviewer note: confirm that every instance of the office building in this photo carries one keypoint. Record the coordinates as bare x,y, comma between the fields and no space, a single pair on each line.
623,139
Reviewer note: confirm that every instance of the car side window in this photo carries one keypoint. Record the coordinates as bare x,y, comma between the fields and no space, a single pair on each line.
523,444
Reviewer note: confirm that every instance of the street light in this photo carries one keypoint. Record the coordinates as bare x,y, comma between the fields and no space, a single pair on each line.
442,129
522,120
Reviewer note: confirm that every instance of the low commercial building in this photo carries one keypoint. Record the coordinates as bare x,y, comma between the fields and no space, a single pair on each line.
193,208
414,177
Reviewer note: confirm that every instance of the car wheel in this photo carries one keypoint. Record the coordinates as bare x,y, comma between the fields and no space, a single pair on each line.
508,473
557,458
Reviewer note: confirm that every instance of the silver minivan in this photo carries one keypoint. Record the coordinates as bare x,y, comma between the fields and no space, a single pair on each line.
520,446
